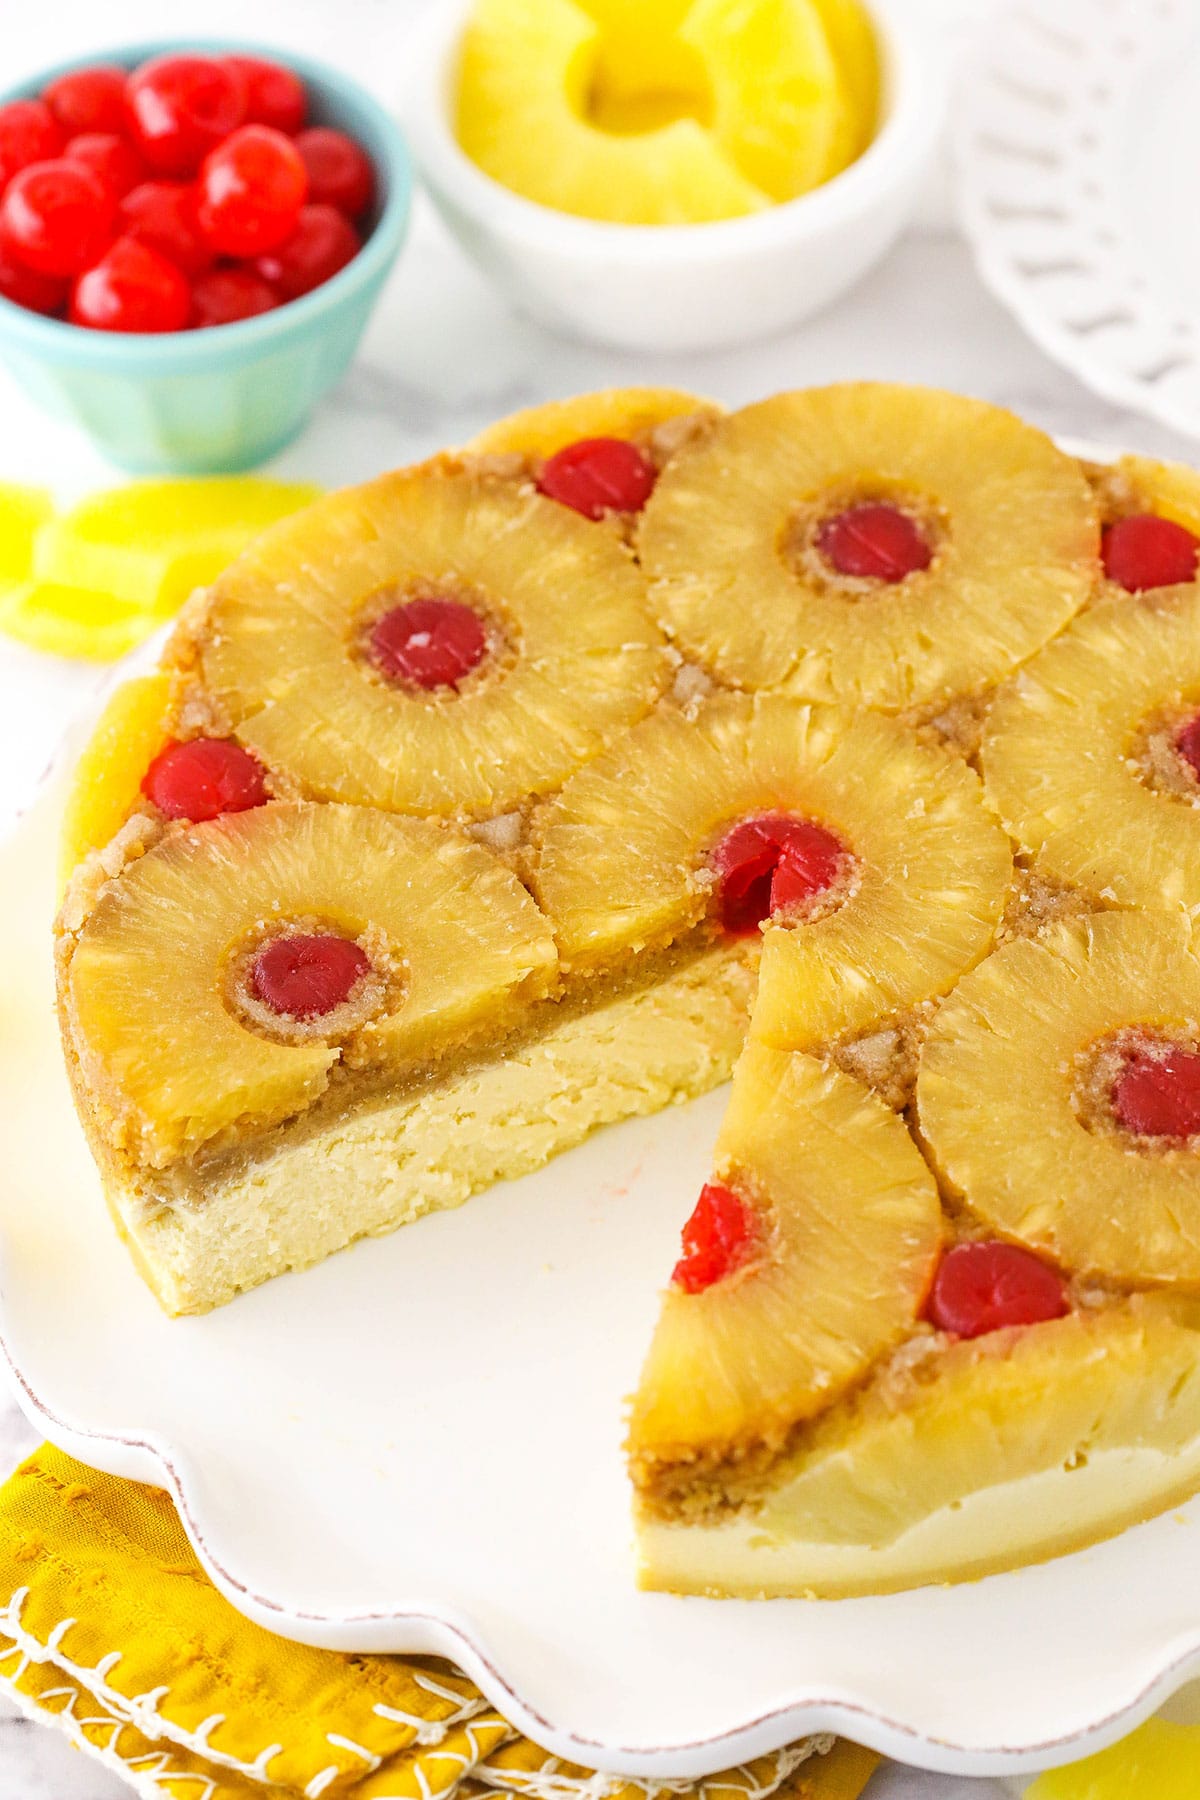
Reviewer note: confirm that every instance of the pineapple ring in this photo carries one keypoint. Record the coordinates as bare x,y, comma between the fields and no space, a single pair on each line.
106,781
586,659
1135,484
152,542
634,413
808,1143
651,116
620,854
74,622
997,1097
1016,556
24,511
1060,752
151,1026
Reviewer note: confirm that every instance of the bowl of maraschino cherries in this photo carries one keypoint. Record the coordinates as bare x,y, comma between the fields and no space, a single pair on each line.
153,196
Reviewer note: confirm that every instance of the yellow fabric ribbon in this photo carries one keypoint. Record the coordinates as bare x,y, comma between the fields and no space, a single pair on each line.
110,1630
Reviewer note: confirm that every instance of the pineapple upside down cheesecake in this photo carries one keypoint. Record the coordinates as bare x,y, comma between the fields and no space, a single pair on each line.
852,738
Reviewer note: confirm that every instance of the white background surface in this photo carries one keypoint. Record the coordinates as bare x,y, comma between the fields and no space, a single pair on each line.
441,359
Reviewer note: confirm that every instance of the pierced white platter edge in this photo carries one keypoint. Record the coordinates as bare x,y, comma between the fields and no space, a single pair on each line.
1074,132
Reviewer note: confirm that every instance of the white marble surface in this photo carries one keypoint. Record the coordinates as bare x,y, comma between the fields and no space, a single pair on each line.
443,357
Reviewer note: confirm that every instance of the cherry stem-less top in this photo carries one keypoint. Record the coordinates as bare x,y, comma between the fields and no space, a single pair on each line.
599,475
986,1286
429,643
306,976
772,863
874,541
719,1237
1144,551
1158,1095
204,777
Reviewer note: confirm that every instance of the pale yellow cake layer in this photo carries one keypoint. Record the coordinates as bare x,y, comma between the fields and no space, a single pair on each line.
993,1529
1008,1449
490,1120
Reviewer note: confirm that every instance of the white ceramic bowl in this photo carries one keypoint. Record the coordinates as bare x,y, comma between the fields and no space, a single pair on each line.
680,287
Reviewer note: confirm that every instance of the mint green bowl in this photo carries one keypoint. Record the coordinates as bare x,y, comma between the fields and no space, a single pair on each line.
228,397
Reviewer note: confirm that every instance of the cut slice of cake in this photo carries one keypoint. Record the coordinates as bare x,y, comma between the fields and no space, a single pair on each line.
1011,1373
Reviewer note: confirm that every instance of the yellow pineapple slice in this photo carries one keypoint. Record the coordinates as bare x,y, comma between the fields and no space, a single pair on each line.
572,655
732,538
856,53
641,21
152,542
848,1231
623,855
1080,752
451,936
1142,484
1016,1096
73,621
106,781
963,1458
23,511
1162,1758
638,38
780,110
523,110
632,413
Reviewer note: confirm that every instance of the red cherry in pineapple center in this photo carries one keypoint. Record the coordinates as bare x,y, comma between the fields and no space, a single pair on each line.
720,1236
599,475
430,643
1159,1095
874,541
307,976
1187,744
769,864
1144,551
203,778
986,1286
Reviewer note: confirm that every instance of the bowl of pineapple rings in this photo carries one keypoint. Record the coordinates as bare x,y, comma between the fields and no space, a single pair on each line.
672,174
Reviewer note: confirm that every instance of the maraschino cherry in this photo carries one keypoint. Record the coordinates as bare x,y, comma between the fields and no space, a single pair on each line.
874,541
306,976
201,778
771,863
1159,1096
430,643
181,107
89,99
599,475
719,1237
986,1286
1187,743
131,288
1144,551
339,170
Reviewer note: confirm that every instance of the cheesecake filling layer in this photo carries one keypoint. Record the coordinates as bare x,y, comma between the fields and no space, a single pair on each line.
958,1458
203,1233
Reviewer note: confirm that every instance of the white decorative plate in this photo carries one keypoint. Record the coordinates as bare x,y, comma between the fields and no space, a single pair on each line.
417,1446
1077,136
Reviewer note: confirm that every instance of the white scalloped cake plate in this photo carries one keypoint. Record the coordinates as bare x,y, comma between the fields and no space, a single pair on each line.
417,1446
1077,135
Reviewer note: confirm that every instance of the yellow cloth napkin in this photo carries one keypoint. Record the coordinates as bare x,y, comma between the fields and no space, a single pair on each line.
110,1630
